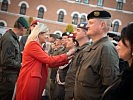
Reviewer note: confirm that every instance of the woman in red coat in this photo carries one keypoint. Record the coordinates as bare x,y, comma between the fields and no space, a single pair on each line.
35,61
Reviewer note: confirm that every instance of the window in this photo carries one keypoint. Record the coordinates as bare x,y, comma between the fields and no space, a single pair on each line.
83,18
100,3
75,19
78,0
40,12
23,9
4,5
86,1
116,26
119,4
2,24
61,16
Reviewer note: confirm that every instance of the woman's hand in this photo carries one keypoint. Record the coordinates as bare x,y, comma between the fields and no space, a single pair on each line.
71,52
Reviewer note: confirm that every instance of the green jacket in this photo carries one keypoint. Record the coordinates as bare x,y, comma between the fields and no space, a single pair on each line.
10,55
75,63
98,69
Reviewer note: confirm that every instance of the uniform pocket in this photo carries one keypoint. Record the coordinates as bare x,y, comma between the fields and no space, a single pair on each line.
89,78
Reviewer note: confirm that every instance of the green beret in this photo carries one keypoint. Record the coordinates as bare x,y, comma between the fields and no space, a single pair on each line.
23,22
99,14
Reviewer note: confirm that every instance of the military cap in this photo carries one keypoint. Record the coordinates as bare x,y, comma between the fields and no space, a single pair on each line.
71,35
82,25
99,14
114,42
34,22
23,22
114,35
66,33
59,37
54,36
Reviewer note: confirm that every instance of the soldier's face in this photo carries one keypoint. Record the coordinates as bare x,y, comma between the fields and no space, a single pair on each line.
93,27
64,40
58,42
22,31
80,33
70,43
51,39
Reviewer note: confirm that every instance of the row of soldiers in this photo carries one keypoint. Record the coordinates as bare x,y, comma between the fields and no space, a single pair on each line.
84,69
60,45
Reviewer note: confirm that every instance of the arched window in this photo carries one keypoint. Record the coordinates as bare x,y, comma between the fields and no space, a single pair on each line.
40,12
75,19
61,16
23,9
100,3
83,18
2,24
116,26
4,5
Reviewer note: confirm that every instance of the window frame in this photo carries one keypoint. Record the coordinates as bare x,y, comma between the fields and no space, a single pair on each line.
2,24
75,19
23,8
83,18
100,3
119,5
4,5
86,1
61,16
40,13
116,26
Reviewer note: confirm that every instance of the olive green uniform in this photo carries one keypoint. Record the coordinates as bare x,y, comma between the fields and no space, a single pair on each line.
70,77
98,69
11,63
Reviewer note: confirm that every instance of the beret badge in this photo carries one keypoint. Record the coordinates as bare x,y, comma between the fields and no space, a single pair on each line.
96,13
81,25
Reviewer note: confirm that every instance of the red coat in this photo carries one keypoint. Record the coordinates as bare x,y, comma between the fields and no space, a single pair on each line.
33,74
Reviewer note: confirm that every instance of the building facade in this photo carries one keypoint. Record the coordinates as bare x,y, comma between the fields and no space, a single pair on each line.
57,14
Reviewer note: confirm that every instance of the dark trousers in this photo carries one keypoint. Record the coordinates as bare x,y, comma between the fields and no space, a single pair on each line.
52,89
69,95
7,86
59,93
